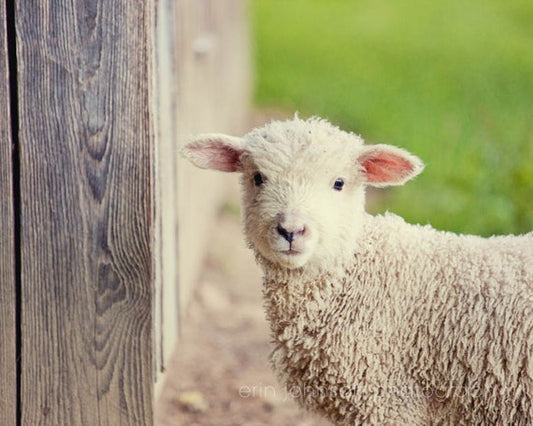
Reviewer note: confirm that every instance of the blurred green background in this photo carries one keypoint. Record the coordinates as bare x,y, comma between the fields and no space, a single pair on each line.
451,81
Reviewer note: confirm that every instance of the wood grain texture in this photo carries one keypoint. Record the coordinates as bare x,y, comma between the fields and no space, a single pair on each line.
7,257
86,221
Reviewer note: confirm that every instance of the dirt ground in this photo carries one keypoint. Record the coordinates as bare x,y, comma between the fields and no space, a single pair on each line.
221,374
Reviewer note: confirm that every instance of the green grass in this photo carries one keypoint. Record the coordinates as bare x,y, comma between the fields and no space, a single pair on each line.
450,81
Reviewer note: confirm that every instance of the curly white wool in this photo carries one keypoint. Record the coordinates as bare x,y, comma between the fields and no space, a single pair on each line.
375,321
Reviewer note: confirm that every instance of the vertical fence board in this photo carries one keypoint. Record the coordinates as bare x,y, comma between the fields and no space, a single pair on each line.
7,258
86,208
201,85
213,84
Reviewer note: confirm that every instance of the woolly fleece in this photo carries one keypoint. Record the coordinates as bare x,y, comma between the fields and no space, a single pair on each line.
422,327
376,321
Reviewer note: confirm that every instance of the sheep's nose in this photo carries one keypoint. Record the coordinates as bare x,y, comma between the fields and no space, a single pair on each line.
290,234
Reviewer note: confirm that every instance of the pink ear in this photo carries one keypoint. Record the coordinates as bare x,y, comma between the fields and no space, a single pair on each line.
215,151
385,165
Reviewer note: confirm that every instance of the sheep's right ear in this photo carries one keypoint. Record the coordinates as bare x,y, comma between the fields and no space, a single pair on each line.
384,165
215,151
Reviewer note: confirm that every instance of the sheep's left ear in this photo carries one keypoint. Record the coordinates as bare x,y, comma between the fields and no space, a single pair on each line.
384,165
215,151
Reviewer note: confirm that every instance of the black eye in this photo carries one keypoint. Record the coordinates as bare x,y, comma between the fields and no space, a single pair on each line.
258,179
339,183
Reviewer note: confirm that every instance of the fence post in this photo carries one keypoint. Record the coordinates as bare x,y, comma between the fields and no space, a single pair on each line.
86,211
8,385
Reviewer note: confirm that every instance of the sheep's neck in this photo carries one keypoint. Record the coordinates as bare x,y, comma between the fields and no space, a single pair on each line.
292,295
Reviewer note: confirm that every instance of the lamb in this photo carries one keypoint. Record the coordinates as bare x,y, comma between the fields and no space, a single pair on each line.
376,321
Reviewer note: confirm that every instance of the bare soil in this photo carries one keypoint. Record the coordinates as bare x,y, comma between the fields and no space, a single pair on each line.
220,374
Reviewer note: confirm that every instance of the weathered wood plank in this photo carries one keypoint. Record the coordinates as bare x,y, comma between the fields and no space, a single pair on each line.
166,240
8,369
86,217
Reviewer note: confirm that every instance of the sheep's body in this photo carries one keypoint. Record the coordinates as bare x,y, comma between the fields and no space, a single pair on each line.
376,321
422,327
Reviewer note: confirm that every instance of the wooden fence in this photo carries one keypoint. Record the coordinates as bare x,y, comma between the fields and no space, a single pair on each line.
8,324
95,98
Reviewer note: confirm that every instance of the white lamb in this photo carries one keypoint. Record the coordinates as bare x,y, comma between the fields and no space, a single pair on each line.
376,321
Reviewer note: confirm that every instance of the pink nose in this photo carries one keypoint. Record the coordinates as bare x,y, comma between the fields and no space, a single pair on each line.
290,234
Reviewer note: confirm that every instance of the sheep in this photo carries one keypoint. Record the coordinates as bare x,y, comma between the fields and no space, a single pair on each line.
374,320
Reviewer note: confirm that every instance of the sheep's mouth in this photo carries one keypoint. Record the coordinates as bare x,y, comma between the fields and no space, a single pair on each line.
290,252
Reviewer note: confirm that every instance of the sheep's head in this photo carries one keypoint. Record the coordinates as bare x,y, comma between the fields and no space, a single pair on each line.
303,186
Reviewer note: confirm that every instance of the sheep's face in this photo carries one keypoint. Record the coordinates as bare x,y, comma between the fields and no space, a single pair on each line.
303,186
302,196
